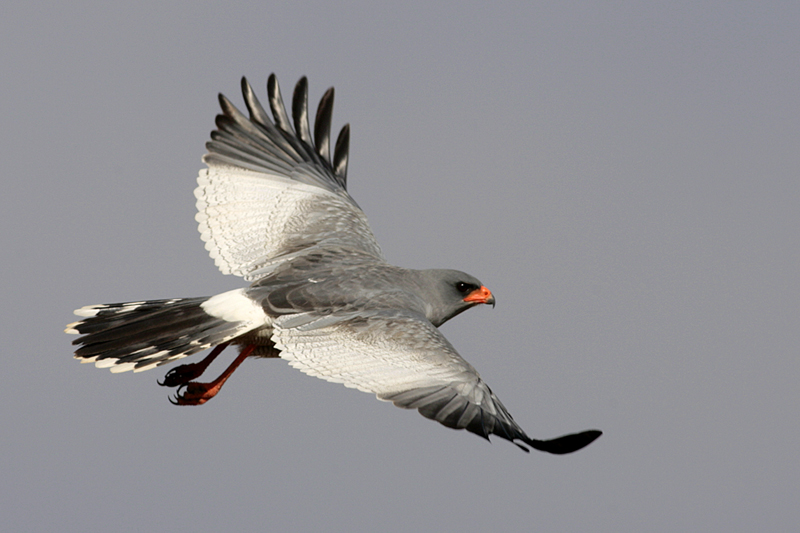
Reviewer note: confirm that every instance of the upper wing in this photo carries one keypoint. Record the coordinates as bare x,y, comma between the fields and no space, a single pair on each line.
403,358
270,190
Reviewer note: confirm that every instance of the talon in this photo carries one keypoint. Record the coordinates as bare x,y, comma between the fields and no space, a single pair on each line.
183,374
196,393
176,400
200,393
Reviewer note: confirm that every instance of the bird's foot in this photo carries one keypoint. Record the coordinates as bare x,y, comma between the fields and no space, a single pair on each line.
196,393
184,374
200,393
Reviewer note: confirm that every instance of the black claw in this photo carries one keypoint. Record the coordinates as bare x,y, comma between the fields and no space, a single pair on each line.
176,400
172,378
180,375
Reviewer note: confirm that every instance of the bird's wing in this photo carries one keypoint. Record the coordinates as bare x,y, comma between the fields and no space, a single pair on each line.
271,191
402,358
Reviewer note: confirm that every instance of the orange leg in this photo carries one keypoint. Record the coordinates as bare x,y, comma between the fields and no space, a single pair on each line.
183,374
200,393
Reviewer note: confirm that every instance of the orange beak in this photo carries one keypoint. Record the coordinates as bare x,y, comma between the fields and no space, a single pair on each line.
480,296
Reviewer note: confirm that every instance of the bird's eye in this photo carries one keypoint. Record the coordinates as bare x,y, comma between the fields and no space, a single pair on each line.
463,287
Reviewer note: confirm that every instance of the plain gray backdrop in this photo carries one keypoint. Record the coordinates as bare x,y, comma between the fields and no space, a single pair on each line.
622,175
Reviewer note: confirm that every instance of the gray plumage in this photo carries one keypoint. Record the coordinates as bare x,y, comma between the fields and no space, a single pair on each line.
273,208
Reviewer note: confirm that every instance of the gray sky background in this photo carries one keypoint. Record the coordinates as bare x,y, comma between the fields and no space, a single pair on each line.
623,175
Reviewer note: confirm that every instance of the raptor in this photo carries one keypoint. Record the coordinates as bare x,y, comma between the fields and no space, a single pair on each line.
273,208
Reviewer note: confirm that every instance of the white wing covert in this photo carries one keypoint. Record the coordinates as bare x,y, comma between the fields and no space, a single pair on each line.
400,357
269,192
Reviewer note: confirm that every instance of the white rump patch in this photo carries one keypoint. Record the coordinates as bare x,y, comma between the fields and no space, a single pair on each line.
236,306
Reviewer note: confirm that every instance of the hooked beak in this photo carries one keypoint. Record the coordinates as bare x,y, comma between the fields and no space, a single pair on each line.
480,296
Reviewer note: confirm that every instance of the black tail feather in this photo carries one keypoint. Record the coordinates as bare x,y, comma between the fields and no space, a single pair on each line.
142,335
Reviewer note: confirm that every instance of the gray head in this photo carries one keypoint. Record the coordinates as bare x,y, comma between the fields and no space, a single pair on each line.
450,292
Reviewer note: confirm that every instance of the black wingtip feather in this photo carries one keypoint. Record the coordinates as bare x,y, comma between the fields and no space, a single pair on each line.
276,105
227,107
300,111
257,112
446,406
340,155
322,125
277,143
566,443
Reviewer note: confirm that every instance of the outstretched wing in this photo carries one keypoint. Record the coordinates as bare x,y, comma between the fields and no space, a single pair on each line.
404,359
271,191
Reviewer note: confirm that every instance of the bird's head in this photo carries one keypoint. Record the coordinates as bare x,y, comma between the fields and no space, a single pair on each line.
451,292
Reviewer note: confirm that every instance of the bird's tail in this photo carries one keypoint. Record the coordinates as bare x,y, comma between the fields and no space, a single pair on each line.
142,335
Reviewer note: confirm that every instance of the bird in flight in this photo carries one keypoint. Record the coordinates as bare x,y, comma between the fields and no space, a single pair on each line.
273,208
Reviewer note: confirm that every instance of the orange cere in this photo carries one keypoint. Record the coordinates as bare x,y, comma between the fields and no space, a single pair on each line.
481,296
